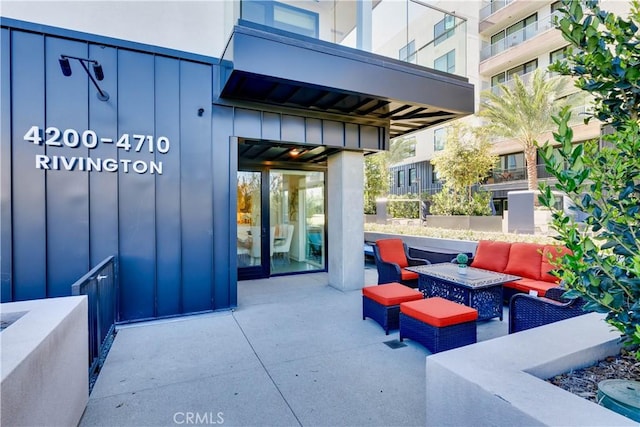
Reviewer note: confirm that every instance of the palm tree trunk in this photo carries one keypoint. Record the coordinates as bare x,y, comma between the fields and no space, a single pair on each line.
530,156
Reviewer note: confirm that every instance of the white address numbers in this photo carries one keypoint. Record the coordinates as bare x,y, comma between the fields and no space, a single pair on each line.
55,137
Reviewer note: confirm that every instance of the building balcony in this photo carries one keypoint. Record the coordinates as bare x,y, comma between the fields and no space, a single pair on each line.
502,13
316,57
402,30
518,37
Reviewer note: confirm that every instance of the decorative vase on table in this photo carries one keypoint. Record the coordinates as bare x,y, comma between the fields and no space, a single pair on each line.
462,260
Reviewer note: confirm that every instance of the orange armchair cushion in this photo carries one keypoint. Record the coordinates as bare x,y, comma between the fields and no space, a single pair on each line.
551,253
392,250
438,312
408,275
526,285
491,255
525,260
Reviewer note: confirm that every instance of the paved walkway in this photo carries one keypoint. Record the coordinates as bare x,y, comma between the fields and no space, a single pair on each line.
295,352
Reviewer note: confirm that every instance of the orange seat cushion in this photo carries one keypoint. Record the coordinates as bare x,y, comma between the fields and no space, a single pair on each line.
439,312
525,260
392,250
408,275
551,253
491,255
391,293
526,285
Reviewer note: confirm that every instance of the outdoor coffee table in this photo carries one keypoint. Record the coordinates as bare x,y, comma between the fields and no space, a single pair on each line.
479,289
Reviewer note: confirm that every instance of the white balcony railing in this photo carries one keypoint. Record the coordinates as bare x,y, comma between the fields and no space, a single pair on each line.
518,37
492,7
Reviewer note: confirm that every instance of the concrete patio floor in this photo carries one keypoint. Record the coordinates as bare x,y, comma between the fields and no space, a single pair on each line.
295,352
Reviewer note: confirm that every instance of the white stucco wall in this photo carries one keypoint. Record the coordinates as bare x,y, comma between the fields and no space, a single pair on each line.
190,26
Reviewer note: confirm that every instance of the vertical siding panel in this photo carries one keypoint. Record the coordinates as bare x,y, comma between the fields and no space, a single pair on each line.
271,126
369,137
248,122
313,131
196,187
352,136
293,129
168,267
136,191
103,186
224,225
66,191
6,293
29,227
333,133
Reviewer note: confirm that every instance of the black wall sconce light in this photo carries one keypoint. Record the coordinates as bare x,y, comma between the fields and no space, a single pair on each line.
65,66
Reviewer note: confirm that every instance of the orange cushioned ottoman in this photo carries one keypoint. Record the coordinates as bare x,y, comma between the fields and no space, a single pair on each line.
382,303
438,324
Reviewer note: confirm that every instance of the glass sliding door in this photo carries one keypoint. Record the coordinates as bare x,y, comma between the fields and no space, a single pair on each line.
297,221
251,232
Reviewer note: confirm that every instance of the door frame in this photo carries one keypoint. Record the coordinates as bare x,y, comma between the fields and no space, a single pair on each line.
263,270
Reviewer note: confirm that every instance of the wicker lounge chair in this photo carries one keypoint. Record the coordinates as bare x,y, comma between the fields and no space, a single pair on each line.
392,257
527,311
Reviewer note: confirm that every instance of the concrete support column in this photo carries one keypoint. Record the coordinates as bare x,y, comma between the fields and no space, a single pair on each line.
345,213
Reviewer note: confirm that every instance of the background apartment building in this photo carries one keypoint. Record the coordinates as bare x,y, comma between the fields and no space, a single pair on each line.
507,38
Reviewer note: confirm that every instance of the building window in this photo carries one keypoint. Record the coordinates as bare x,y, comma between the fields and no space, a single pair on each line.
498,79
435,176
282,16
400,182
446,62
512,161
413,176
521,70
408,53
555,6
439,137
444,29
518,32
558,55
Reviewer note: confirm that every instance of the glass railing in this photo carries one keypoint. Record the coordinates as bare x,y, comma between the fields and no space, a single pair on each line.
509,83
406,30
518,37
492,7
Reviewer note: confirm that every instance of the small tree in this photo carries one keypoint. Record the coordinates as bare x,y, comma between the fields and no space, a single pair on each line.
524,112
465,161
376,180
602,181
376,170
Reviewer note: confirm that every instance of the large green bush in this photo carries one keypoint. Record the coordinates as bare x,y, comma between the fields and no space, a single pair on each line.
403,207
602,180
451,203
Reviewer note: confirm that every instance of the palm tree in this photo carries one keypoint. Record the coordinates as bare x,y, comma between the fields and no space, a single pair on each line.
523,112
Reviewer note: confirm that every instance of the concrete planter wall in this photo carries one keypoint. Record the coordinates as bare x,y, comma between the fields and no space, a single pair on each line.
427,243
500,382
45,362
465,222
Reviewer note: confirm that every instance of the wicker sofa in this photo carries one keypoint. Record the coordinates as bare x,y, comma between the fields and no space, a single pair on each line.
531,261
526,311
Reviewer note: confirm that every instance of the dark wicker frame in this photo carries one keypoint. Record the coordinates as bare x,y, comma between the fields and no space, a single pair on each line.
527,311
437,339
389,272
385,315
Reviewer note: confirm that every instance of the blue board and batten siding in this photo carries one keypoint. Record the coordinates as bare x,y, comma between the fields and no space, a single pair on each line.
173,233
57,224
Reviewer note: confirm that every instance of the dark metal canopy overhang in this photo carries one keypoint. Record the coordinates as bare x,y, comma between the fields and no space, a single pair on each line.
267,66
